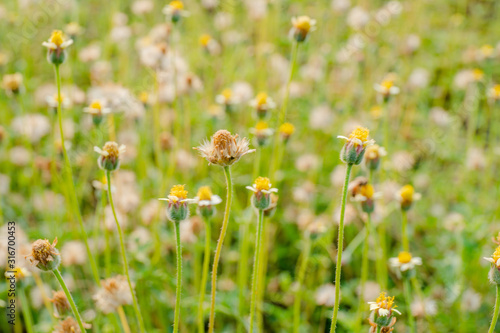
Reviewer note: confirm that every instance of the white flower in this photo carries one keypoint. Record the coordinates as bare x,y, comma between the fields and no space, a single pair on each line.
121,150
405,262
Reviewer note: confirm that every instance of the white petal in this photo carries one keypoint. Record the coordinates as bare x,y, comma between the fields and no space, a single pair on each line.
251,188
216,199
490,259
342,137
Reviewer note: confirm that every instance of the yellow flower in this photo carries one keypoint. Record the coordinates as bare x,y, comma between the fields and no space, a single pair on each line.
360,133
302,25
262,183
176,5
179,192
57,41
261,125
205,39
487,50
477,74
367,191
384,305
495,257
57,37
404,257
494,92
287,129
204,193
261,98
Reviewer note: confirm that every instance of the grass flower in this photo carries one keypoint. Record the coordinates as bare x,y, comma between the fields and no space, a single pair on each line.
262,103
13,84
60,302
206,201
57,45
224,149
97,111
227,99
383,314
386,88
301,27
262,133
407,196
286,130
494,93
355,146
175,11
109,159
373,155
405,262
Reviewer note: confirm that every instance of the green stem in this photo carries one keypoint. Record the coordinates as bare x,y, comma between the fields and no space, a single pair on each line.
340,246
227,173
124,256
382,254
204,275
404,231
379,329
243,271
300,280
178,288
70,299
407,291
364,273
28,319
258,242
495,312
68,173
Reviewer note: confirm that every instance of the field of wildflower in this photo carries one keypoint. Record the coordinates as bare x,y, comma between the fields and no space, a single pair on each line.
250,166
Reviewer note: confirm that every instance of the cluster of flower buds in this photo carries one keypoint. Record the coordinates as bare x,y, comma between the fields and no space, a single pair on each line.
177,209
261,198
355,146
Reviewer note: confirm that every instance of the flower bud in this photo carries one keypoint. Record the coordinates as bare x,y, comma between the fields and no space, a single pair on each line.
206,202
56,44
373,155
355,146
262,133
177,209
407,196
302,25
109,158
261,199
286,131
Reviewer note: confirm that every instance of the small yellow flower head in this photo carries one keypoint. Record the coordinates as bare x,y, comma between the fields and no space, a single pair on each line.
57,45
286,131
261,199
384,307
387,88
494,274
301,26
261,98
355,146
487,51
404,257
227,93
407,196
477,74
44,255
373,155
96,105
262,183
262,132
177,209
175,10
224,149
262,103
109,158
204,193
205,39
18,273
144,97
177,5
494,92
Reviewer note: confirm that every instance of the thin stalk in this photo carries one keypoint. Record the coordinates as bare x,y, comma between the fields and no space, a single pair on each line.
28,319
407,291
340,246
70,299
124,256
204,275
404,231
495,312
178,288
381,263
379,329
300,280
364,273
69,181
255,280
229,184
243,271
123,319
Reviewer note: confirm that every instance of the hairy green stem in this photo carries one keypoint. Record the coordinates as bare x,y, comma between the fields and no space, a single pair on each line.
204,275
364,273
300,280
495,312
220,242
258,243
407,291
340,246
178,288
124,256
70,299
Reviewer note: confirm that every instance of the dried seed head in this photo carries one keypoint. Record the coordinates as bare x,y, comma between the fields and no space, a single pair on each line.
68,325
45,255
224,149
114,292
60,301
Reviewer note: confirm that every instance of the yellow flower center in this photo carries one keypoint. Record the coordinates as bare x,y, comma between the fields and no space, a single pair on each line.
205,39
496,90
360,133
404,257
96,105
287,129
227,93
177,5
261,125
303,23
477,74
372,152
385,302
367,191
143,97
487,50
56,37
496,254
387,84
261,98
112,149
407,193
179,192
376,111
204,193
262,183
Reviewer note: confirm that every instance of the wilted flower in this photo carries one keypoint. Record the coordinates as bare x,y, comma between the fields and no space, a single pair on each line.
262,193
262,132
286,131
68,325
114,292
57,45
175,10
109,158
406,196
13,83
383,310
44,255
177,209
301,26
404,261
206,200
224,149
60,301
97,110
373,155
355,146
